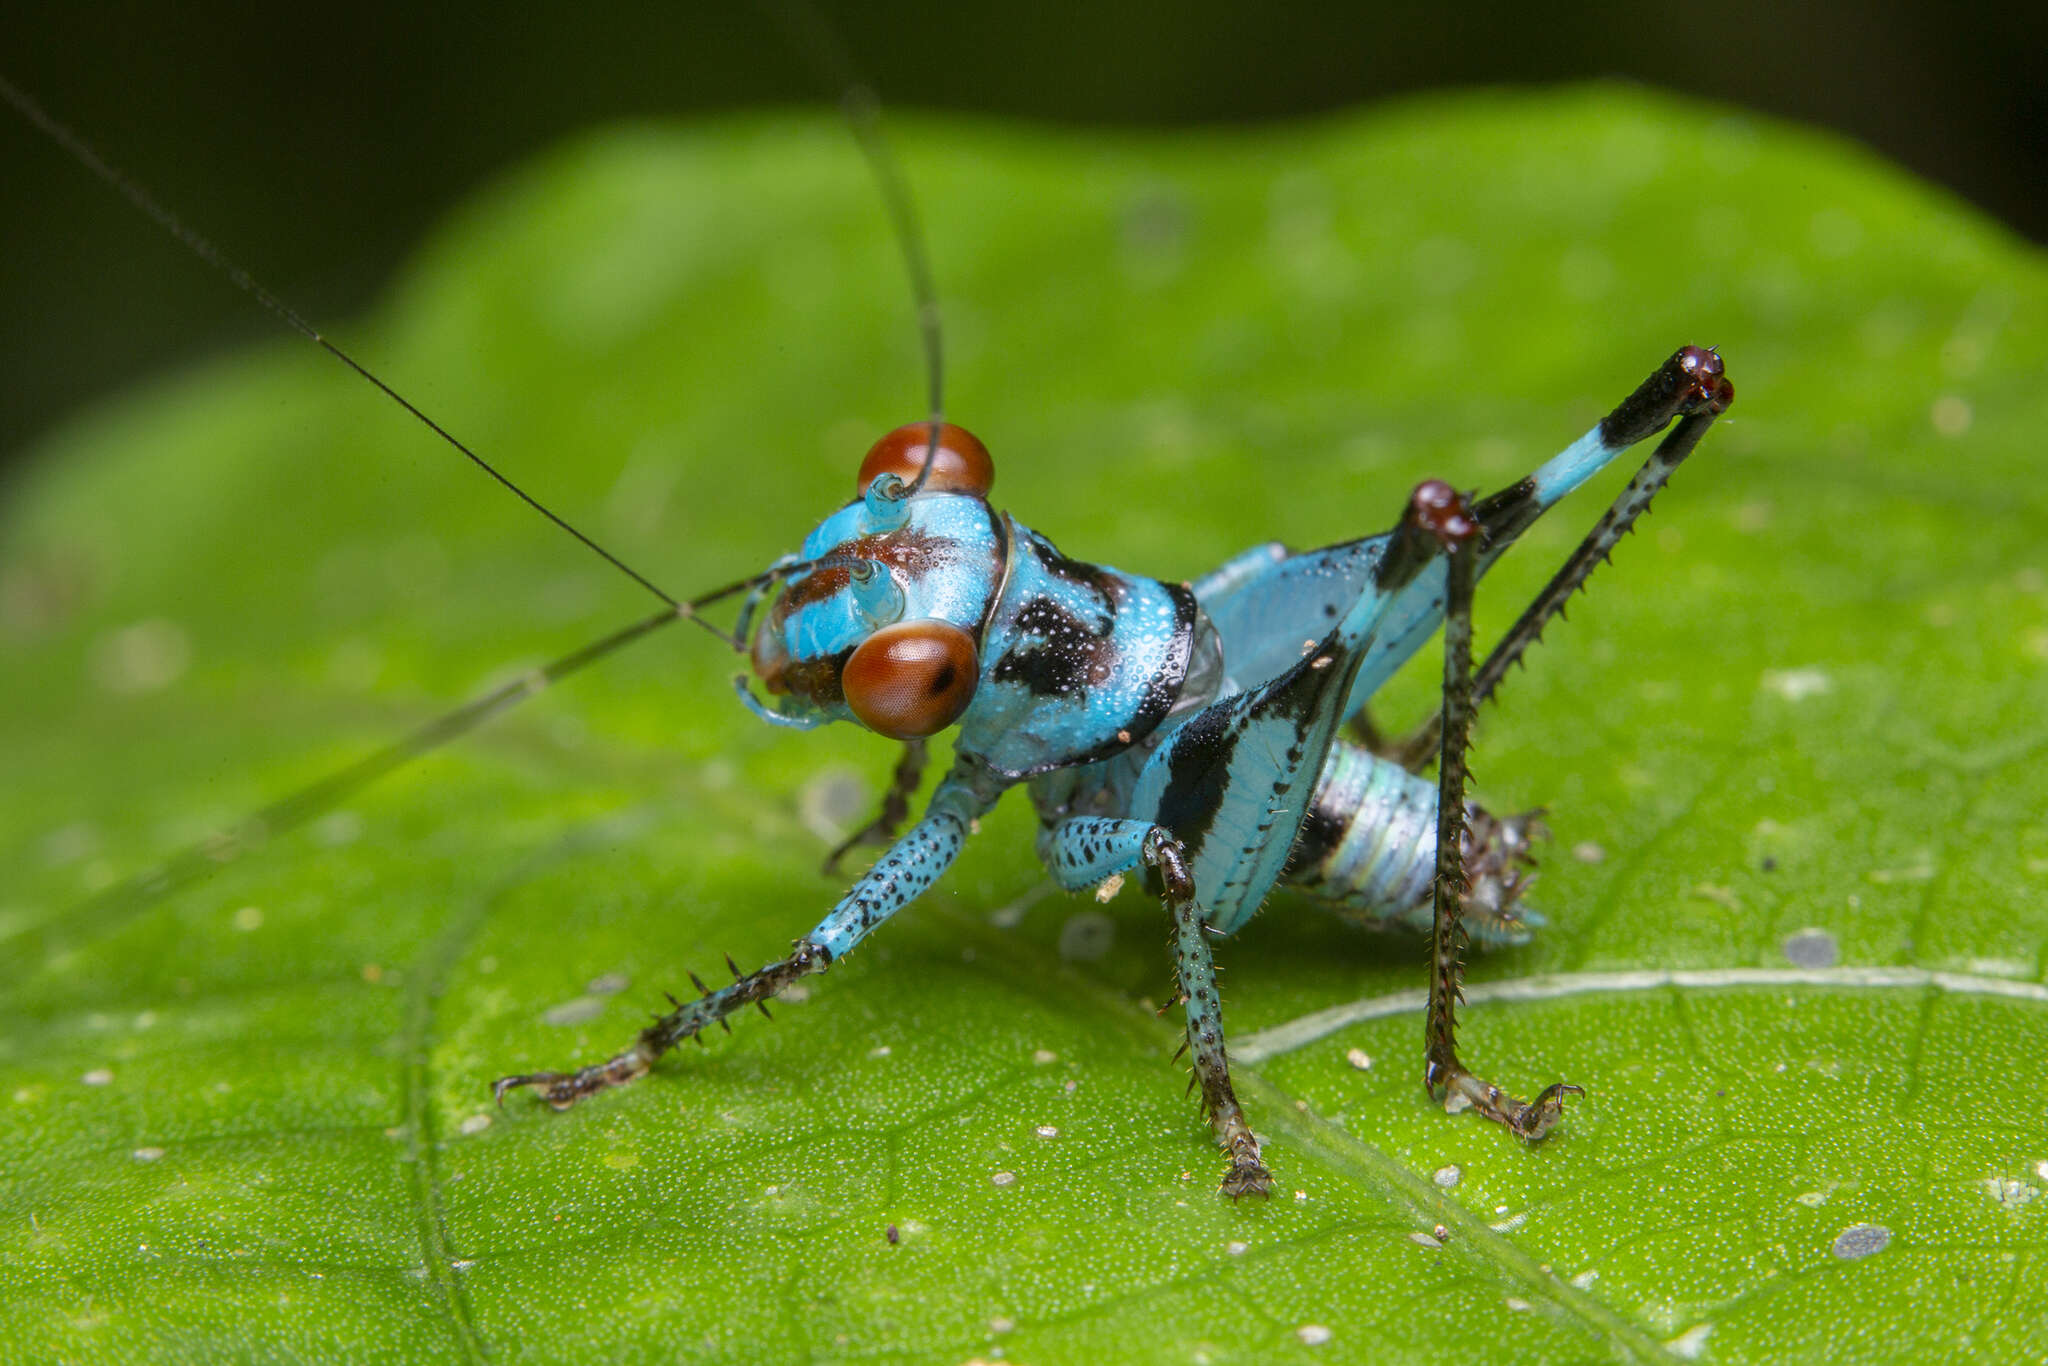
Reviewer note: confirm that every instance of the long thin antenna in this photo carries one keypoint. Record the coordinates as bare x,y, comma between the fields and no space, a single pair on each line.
117,903
132,191
808,32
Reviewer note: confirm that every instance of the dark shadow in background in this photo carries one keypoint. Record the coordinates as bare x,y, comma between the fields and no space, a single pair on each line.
317,145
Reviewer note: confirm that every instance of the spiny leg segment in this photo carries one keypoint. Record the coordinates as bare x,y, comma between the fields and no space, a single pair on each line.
1442,1069
1691,386
1195,970
687,1020
1082,852
912,864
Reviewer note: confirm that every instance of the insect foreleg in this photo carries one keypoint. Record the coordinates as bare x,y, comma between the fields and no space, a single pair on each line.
902,875
1085,850
1442,1069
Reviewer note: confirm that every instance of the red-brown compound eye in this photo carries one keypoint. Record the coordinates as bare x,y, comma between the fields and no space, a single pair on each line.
912,679
962,466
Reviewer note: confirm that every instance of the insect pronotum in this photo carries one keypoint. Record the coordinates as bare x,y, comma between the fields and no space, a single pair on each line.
1178,731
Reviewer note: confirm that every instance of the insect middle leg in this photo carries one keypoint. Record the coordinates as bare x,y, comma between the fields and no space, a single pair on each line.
1082,852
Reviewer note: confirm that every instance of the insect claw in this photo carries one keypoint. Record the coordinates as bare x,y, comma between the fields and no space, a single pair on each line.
762,1006
736,973
699,981
672,999
725,1024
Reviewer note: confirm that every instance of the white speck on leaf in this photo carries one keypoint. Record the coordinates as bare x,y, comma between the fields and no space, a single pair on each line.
99,1076
1313,1334
1860,1240
1951,415
1796,685
1692,1343
141,658
1359,1059
1812,948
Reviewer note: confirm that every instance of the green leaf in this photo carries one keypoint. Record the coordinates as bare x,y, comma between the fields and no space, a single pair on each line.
1791,747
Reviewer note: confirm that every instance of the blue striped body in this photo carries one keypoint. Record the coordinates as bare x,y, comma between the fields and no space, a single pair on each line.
1208,710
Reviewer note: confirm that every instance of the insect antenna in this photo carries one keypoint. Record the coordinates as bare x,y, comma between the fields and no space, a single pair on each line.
810,34
808,31
107,909
204,248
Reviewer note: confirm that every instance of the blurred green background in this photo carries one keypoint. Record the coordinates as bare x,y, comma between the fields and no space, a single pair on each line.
316,144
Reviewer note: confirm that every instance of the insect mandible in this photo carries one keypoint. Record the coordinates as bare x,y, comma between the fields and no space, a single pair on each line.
1186,732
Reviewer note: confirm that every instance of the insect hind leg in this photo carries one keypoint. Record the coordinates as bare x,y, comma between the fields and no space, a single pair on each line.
1443,1070
1691,386
1082,852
